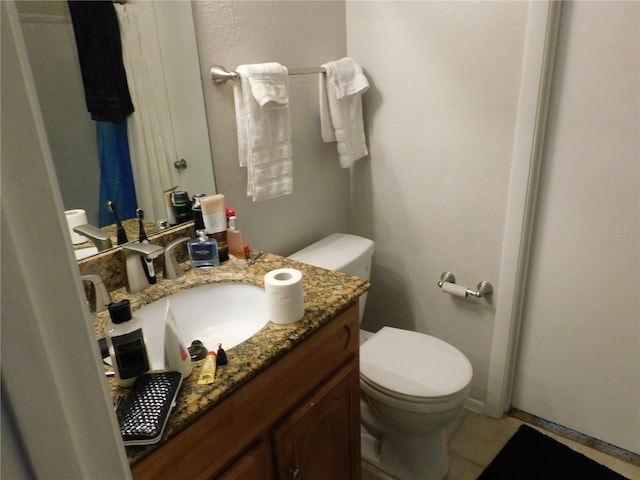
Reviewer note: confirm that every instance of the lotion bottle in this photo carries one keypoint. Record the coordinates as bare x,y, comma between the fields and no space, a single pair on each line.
127,347
234,239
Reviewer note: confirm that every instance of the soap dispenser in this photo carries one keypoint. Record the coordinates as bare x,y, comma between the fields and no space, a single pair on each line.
234,239
203,251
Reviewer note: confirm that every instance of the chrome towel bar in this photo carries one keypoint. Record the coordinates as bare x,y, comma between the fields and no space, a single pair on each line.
220,75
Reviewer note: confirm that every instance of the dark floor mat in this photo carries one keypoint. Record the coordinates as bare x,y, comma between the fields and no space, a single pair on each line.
531,455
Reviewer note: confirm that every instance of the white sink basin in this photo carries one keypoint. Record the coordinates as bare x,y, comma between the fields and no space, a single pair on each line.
226,313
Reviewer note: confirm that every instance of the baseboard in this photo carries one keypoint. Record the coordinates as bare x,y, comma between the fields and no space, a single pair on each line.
604,447
475,406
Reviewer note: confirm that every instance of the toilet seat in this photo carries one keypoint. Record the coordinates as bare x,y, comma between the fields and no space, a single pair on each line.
413,367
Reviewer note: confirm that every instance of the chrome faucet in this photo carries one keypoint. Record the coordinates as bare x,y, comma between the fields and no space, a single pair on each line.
99,296
172,268
100,239
136,278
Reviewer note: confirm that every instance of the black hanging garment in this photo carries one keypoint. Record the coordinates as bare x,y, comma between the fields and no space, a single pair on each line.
97,32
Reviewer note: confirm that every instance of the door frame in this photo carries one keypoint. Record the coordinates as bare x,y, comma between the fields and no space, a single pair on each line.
533,105
56,404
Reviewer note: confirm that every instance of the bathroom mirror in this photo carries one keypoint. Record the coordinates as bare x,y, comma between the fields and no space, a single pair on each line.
169,34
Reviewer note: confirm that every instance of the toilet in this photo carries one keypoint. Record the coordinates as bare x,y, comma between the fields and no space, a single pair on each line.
412,392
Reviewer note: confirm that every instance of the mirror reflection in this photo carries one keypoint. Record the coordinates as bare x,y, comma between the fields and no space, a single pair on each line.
168,126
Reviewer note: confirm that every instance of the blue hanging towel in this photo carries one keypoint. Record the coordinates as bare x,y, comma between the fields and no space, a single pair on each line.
116,175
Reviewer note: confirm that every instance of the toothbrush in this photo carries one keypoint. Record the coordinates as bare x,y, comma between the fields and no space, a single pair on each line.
122,235
142,236
147,264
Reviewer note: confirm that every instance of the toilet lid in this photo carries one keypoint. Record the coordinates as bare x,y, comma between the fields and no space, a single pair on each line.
413,364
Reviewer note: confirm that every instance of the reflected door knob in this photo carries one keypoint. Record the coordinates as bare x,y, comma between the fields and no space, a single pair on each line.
180,164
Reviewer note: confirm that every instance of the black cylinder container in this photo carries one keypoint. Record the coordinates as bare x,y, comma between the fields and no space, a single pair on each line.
181,206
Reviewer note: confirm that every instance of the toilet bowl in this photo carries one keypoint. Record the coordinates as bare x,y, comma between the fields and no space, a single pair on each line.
413,385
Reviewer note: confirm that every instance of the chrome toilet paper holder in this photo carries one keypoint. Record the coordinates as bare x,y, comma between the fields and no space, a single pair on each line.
484,288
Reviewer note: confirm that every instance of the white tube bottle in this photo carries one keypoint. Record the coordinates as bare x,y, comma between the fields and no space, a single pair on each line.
176,353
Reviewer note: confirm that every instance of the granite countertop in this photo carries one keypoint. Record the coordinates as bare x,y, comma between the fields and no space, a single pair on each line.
326,293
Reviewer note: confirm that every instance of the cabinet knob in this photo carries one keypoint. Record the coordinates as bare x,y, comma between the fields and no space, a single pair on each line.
295,474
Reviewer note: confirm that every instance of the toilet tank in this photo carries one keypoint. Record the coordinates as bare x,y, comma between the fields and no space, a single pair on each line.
340,252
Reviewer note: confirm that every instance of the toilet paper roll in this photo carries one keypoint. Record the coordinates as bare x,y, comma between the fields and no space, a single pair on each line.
453,289
74,218
285,297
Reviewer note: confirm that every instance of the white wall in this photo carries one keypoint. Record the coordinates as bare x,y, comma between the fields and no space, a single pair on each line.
440,116
296,34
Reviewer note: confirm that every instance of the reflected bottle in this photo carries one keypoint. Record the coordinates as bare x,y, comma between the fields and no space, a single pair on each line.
181,206
196,209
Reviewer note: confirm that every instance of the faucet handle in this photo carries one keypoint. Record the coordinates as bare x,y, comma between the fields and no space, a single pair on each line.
99,296
147,250
172,268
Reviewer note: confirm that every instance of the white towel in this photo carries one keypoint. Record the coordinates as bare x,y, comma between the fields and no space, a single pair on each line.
341,109
264,129
269,85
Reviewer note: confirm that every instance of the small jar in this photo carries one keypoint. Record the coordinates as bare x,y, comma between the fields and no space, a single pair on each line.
127,347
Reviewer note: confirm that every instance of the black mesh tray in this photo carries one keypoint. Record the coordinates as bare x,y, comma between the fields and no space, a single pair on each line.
144,413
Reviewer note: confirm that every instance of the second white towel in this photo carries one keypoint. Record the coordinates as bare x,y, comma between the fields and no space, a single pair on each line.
341,92
264,129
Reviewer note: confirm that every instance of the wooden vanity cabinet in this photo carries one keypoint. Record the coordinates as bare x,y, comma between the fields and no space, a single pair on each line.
252,465
316,440
300,418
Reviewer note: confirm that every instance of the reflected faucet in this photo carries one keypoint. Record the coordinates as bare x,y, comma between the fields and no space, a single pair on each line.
100,239
136,279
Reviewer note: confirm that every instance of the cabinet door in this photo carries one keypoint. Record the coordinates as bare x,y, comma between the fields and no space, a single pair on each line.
253,465
320,439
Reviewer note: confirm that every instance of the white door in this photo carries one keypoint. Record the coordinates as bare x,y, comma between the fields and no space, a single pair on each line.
579,356
177,38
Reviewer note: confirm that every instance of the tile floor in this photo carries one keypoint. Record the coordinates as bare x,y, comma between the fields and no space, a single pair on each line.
475,439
